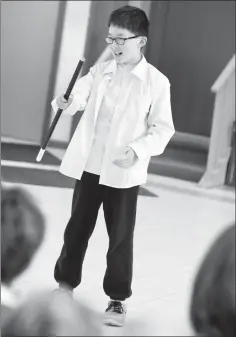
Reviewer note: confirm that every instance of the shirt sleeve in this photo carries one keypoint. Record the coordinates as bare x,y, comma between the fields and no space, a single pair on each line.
160,126
81,93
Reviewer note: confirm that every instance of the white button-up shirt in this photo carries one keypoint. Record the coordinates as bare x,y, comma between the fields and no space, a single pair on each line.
142,119
102,127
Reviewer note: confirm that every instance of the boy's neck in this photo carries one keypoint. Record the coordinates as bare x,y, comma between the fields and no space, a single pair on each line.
128,66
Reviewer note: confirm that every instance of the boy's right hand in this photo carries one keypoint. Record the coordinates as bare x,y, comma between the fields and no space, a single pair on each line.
62,103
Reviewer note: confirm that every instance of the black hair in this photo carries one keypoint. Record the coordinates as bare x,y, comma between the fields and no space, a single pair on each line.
212,309
22,229
51,314
131,18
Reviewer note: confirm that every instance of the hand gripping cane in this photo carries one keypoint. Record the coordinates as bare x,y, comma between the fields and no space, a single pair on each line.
59,111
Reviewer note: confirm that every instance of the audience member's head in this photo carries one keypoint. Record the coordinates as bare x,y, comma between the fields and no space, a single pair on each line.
22,231
213,298
54,314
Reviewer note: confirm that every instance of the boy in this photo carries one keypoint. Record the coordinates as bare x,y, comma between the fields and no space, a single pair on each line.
127,119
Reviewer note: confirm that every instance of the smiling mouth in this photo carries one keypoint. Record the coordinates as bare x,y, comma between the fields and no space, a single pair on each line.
118,53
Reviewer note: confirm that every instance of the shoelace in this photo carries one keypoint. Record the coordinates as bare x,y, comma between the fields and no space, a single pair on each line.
116,306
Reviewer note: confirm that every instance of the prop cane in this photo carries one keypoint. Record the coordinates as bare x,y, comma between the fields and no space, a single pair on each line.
59,111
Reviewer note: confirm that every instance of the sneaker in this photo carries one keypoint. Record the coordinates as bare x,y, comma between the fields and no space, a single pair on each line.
115,313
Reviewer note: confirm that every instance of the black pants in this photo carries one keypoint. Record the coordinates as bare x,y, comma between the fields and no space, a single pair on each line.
119,207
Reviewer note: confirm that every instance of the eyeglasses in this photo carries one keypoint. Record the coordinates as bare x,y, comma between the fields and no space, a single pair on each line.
119,40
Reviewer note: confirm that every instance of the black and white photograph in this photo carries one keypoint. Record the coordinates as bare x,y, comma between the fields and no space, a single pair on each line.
118,168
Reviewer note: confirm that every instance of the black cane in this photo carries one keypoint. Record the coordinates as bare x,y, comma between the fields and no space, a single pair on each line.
59,111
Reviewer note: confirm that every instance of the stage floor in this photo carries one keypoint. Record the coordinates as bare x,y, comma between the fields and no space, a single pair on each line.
173,231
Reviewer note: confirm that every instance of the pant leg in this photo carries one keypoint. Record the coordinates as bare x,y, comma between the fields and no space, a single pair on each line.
87,199
120,214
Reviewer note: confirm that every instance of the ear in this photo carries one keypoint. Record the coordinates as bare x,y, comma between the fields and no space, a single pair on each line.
143,41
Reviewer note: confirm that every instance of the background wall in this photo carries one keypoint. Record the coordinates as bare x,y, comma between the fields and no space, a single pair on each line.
191,42
30,32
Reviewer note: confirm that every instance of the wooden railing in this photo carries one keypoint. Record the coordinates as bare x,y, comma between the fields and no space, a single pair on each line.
221,132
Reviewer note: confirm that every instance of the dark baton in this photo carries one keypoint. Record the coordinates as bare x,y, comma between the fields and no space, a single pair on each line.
59,111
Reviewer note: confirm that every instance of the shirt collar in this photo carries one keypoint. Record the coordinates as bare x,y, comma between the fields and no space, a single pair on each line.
139,70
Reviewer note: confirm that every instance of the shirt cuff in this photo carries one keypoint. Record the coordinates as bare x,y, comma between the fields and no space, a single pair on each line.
71,110
138,150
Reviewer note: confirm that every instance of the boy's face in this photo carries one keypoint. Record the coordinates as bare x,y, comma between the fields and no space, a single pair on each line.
130,51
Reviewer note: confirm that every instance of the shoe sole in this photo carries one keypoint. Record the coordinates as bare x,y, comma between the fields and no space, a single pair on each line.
112,322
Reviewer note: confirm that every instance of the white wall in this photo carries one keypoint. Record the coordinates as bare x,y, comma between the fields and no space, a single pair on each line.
72,49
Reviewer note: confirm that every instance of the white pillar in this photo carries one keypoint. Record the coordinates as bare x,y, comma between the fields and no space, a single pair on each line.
71,50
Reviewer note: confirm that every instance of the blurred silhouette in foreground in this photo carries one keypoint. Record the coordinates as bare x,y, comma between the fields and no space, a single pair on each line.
22,232
54,314
212,308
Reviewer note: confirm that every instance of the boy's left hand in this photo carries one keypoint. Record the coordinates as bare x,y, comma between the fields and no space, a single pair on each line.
128,159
